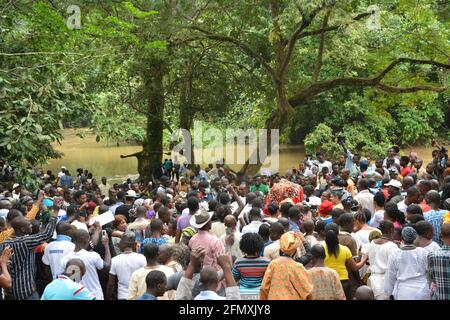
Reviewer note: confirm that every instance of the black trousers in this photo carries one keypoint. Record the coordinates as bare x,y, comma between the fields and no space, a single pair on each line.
346,285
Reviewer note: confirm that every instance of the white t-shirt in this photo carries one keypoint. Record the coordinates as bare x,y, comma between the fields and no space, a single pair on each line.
123,267
433,246
253,227
402,206
93,261
54,252
202,204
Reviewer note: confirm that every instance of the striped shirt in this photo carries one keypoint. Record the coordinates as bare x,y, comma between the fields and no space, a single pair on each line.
250,271
439,272
23,262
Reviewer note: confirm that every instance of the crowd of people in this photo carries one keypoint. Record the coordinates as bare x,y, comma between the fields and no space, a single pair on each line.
353,228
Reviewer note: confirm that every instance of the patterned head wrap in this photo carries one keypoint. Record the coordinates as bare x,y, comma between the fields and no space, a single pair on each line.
289,243
409,234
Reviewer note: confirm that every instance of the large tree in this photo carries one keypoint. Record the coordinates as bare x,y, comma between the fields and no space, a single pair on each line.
278,35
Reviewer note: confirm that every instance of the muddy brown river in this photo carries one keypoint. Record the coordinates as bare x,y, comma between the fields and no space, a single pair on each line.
104,160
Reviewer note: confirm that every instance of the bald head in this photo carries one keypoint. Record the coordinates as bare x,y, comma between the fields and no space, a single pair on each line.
209,278
81,238
165,253
230,221
407,183
364,293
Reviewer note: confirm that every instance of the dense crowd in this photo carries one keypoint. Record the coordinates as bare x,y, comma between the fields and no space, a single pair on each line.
349,229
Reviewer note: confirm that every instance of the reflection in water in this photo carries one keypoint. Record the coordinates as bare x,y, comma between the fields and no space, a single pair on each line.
104,160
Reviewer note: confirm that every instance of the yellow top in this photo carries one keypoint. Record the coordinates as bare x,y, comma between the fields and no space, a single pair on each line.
447,217
8,233
338,263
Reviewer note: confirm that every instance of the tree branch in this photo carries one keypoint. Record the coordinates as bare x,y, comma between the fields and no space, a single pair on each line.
239,44
323,86
393,89
306,21
331,28
316,73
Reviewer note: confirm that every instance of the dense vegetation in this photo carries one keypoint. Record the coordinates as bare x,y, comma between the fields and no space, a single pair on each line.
138,70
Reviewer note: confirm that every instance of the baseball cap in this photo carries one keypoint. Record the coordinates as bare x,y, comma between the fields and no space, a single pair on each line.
394,183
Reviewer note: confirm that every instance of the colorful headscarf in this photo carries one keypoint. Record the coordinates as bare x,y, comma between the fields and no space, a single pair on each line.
289,243
284,190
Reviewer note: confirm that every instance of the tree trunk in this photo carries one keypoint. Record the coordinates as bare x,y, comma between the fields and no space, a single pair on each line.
151,156
277,120
186,112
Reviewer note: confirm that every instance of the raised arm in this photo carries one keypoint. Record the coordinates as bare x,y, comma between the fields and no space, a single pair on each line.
5,277
184,290
105,242
241,205
231,289
35,208
34,240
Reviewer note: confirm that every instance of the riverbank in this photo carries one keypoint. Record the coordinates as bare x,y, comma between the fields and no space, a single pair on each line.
104,159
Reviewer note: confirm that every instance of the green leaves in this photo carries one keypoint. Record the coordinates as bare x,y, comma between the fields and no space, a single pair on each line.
138,13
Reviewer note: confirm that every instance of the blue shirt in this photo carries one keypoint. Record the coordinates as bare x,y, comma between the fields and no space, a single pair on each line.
436,218
293,226
115,206
147,296
63,288
157,241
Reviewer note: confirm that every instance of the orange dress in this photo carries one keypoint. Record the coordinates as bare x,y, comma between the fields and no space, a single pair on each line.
286,279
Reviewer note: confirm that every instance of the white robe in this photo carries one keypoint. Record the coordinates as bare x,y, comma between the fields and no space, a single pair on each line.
406,276
378,258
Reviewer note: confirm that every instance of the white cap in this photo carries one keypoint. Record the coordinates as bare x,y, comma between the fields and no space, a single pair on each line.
131,194
16,185
394,183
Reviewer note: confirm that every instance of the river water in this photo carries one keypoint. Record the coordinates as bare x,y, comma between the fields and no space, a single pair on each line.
104,160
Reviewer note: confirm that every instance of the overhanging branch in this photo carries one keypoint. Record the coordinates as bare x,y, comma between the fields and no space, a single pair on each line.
327,85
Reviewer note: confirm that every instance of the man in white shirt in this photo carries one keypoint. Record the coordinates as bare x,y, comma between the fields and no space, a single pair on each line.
412,196
321,162
104,187
232,232
92,261
55,251
62,173
255,221
365,197
138,286
123,266
17,189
